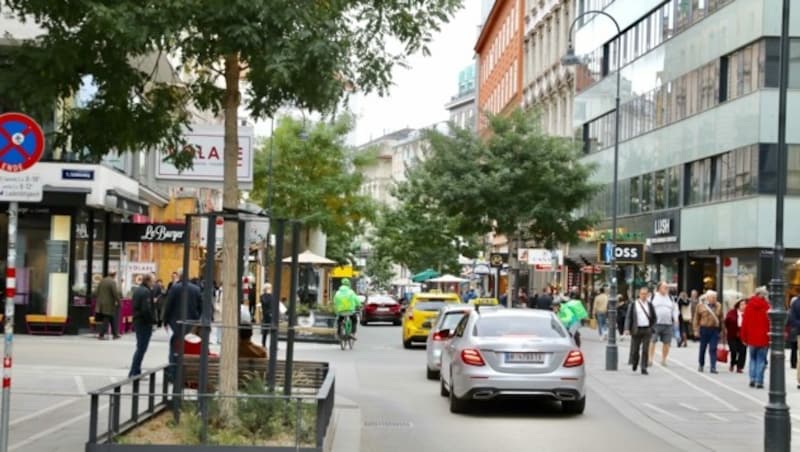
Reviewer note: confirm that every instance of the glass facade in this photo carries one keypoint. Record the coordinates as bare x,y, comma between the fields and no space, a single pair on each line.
734,75
671,18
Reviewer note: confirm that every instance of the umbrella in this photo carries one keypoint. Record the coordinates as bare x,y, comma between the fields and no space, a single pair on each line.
445,279
424,276
307,257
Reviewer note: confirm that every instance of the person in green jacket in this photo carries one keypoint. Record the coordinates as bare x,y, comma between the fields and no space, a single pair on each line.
567,318
346,302
580,314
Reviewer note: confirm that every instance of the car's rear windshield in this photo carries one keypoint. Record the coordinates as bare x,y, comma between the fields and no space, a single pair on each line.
451,319
499,326
429,305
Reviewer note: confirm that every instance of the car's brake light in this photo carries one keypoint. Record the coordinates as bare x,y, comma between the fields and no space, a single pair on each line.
574,359
472,357
371,307
411,316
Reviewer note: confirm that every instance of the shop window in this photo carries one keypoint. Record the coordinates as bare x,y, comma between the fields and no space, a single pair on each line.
660,190
635,195
673,199
647,192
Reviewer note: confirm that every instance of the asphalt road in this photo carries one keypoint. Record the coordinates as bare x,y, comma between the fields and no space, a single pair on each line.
402,411
675,408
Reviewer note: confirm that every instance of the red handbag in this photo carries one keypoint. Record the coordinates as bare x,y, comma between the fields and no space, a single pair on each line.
722,355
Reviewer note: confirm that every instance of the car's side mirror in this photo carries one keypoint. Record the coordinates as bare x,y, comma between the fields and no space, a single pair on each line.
446,333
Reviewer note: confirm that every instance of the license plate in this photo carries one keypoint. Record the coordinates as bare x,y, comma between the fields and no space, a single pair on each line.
525,357
383,309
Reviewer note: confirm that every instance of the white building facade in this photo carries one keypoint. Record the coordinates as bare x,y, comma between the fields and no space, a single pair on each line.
547,84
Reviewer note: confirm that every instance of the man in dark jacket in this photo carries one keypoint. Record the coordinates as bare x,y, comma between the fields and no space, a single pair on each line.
266,313
545,300
794,330
172,312
143,321
108,298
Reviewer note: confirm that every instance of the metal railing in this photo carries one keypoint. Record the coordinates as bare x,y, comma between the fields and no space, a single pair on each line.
155,403
309,434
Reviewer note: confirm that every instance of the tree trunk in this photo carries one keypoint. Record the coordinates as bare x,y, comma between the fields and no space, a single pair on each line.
228,371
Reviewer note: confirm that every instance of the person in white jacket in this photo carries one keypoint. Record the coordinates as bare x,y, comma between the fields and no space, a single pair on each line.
666,319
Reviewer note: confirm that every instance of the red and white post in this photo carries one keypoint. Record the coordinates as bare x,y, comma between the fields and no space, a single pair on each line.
11,291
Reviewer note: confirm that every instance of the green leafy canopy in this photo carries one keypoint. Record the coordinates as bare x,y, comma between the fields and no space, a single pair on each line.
307,54
316,177
517,180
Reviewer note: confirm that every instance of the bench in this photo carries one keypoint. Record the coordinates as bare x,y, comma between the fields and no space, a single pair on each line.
304,374
45,324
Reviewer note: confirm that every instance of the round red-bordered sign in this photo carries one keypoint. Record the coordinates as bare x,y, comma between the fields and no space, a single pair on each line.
21,142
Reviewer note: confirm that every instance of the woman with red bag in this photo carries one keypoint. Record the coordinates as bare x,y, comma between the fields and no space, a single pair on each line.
733,323
754,332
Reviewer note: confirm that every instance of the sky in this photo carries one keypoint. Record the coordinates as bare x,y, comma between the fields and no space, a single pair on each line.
419,93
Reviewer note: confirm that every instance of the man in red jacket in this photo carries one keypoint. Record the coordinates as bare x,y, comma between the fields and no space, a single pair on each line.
755,334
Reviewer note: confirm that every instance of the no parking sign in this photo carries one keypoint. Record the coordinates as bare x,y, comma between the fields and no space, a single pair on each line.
21,142
21,146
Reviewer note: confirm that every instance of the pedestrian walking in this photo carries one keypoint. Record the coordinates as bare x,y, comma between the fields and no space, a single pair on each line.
666,318
707,325
623,305
639,325
755,334
159,298
143,321
173,313
733,325
685,318
266,313
600,309
694,300
794,330
545,300
108,298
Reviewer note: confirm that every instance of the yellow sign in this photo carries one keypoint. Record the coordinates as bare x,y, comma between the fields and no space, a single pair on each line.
485,301
344,272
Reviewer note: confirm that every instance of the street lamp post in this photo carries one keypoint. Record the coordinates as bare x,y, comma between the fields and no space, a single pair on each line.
777,426
570,59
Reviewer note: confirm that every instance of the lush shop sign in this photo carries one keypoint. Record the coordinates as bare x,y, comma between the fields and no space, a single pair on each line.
153,232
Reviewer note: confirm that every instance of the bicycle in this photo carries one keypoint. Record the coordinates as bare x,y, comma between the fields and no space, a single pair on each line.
345,331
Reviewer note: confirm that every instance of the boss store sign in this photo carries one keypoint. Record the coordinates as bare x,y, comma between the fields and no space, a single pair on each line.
623,253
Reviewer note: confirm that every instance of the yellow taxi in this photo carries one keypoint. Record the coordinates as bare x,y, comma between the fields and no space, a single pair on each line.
485,301
420,314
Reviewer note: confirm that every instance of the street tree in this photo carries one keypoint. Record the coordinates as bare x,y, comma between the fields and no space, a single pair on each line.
316,177
269,53
380,271
516,180
419,236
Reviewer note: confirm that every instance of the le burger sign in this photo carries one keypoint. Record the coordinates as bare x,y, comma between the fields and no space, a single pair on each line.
153,232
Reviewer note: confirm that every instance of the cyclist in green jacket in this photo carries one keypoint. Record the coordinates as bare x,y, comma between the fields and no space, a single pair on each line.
346,302
579,312
567,317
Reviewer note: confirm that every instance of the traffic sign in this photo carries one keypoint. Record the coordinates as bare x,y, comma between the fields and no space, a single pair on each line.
21,142
21,187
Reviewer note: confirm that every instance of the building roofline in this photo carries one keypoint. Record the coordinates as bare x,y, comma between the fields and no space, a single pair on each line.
483,34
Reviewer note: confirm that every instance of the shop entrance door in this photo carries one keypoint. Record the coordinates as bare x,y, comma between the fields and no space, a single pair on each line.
701,274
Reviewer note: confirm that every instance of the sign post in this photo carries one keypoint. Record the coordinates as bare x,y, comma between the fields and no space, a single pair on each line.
21,146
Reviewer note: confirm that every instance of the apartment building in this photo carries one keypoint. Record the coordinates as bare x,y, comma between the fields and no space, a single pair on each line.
500,59
548,85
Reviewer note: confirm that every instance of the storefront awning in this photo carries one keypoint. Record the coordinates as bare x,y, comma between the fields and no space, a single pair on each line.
125,203
57,189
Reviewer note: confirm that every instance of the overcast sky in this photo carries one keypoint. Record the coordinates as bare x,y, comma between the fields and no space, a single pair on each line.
419,93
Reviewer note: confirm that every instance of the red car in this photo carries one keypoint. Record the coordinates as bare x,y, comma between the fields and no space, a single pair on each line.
381,308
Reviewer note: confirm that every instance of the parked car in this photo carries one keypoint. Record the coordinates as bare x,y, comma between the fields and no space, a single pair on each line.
448,318
512,353
419,316
381,308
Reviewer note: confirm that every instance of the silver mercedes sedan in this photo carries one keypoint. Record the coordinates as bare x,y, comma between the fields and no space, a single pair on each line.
512,353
